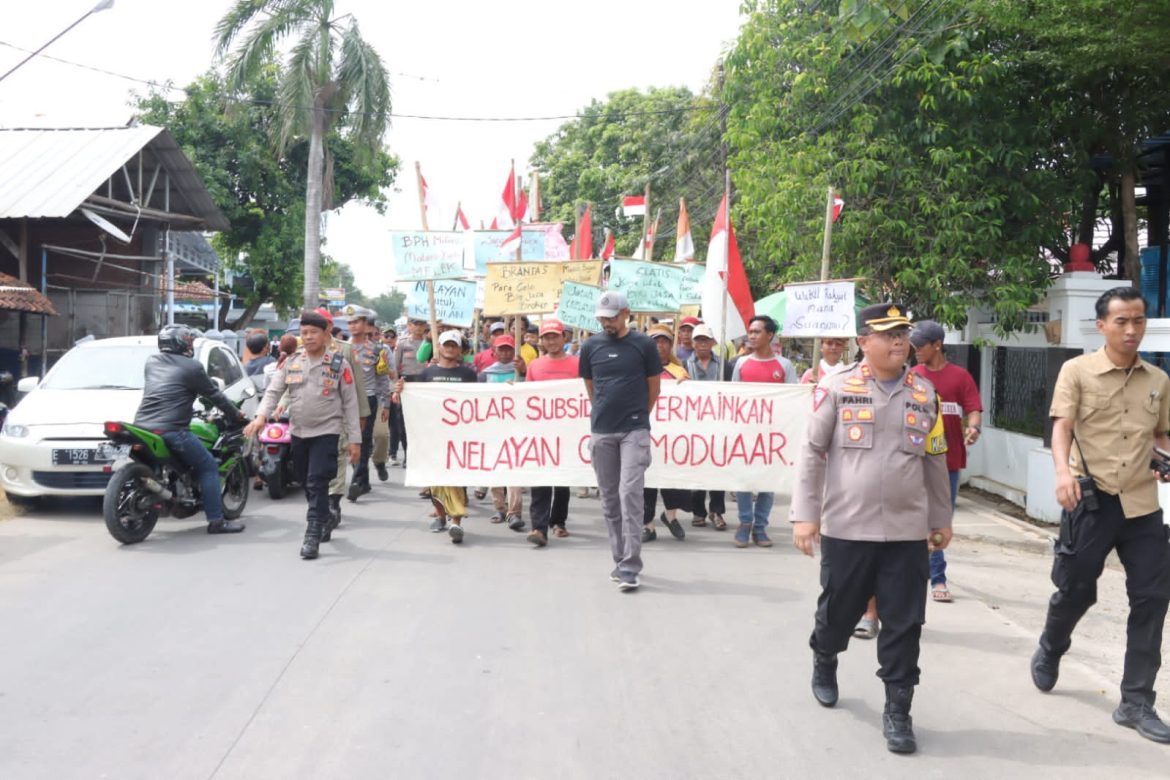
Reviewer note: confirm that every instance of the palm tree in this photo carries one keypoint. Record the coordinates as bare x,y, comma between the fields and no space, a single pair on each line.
332,78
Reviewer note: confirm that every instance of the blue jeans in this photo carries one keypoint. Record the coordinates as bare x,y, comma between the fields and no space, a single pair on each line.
938,562
190,451
757,517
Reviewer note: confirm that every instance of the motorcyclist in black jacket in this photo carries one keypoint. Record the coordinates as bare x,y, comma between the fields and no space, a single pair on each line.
173,380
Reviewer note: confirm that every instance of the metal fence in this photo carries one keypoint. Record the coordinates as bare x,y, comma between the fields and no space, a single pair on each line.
1021,391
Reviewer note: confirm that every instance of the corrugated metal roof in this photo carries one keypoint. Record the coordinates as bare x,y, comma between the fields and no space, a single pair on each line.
50,172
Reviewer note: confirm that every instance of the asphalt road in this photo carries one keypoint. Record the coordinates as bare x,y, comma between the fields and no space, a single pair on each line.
400,655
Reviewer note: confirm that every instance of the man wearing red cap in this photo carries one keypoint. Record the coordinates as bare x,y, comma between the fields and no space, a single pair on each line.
685,348
509,502
550,505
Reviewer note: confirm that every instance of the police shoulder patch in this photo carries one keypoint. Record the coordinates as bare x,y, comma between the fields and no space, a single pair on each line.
818,397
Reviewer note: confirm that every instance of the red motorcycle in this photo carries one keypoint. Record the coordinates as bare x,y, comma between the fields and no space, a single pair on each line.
275,455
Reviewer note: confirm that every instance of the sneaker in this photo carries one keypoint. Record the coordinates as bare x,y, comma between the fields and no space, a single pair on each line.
1144,719
438,525
761,538
355,490
537,537
224,527
743,535
394,461
628,581
615,575
383,474
456,533
674,526
583,493
516,522
648,534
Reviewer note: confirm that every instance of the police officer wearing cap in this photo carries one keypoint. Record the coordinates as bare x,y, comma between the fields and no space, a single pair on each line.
374,366
1109,410
323,403
872,489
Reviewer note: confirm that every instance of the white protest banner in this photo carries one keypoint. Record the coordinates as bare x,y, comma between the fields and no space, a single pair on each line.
454,302
820,309
703,434
578,306
422,254
650,287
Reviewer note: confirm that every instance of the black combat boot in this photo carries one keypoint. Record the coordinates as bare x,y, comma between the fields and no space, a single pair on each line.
335,510
331,522
312,540
824,679
897,726
355,490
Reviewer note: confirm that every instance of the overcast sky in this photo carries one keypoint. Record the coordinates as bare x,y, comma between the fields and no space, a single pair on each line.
462,58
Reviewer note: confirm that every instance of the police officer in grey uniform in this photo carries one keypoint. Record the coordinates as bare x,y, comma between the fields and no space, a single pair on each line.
872,488
323,403
374,366
337,484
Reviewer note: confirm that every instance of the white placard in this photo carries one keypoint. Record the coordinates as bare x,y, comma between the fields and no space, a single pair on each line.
824,309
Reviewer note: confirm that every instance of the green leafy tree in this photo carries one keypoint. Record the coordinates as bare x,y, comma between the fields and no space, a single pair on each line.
332,80
227,138
668,137
925,132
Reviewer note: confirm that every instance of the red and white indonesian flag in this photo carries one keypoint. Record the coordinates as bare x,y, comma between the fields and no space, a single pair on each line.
512,242
634,206
684,245
725,285
461,219
512,205
838,204
430,203
607,250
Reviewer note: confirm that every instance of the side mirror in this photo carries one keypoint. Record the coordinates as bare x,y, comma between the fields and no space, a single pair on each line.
28,384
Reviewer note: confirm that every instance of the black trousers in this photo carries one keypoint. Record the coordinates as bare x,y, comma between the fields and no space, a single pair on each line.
361,472
1086,538
397,429
315,465
672,498
897,573
699,505
548,506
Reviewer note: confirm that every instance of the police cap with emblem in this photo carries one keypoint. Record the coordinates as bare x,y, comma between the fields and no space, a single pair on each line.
883,316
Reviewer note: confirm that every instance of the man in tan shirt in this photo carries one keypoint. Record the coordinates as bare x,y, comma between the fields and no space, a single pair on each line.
1109,410
872,488
323,404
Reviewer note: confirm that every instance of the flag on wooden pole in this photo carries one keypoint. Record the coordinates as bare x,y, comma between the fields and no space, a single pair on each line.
583,241
838,204
461,219
684,245
726,283
512,242
607,250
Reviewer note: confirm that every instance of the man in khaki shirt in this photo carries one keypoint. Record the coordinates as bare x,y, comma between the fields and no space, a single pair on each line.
323,403
1109,410
872,488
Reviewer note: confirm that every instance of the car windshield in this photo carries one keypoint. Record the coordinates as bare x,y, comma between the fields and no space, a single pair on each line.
104,368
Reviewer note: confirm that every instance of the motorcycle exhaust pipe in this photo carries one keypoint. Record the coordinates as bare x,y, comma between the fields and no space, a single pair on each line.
156,487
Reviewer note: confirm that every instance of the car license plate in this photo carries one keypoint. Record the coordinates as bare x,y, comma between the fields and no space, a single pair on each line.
84,456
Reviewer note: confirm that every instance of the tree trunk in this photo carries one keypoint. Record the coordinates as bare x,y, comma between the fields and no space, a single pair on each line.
1132,263
313,208
243,319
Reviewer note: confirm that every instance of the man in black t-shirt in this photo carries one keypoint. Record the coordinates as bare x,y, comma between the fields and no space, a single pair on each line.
449,502
622,374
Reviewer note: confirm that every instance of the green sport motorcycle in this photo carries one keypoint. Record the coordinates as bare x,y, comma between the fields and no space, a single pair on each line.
150,482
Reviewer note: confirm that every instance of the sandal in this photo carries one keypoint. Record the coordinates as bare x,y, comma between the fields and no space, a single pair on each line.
560,532
867,628
480,493
698,521
940,593
718,521
424,493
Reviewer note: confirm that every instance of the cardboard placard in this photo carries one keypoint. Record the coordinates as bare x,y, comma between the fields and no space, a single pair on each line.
454,302
652,288
578,306
427,254
531,288
821,309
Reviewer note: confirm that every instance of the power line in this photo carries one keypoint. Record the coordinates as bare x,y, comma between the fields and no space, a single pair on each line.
612,116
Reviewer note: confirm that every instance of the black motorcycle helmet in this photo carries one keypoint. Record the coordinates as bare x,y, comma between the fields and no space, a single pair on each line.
178,339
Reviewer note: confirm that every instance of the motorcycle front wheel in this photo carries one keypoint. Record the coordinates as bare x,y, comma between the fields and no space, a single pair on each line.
128,507
235,490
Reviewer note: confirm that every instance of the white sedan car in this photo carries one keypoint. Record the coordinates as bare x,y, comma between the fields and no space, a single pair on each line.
52,443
